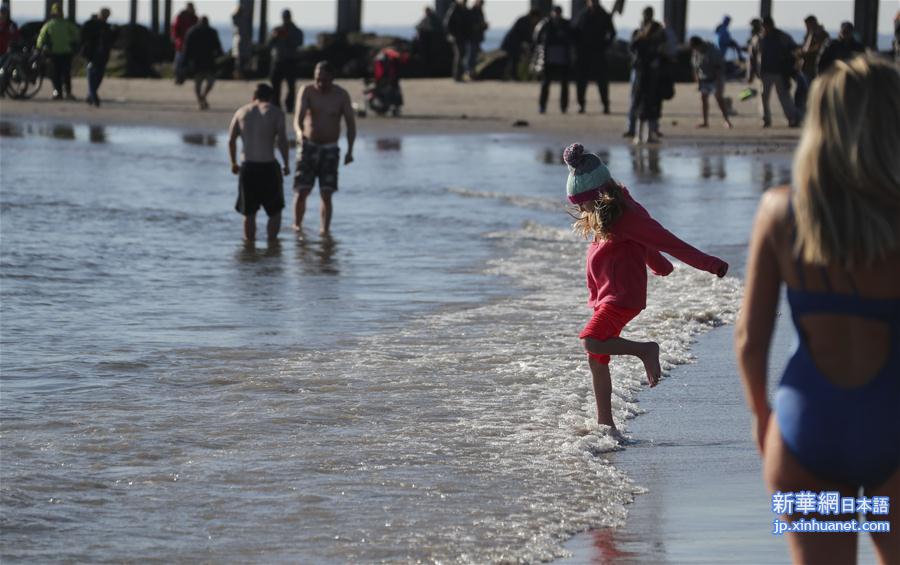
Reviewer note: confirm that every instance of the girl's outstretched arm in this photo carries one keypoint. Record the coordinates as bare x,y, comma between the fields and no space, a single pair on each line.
637,224
753,333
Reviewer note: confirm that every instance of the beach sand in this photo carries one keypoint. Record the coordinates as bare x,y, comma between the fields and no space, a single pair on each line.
432,106
706,501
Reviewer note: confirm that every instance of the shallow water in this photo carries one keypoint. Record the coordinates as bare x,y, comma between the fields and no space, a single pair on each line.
410,389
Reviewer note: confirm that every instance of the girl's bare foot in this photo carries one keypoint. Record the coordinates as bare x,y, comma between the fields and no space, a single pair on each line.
701,125
728,124
651,363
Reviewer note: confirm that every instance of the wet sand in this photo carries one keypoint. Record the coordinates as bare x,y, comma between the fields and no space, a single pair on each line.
432,106
706,500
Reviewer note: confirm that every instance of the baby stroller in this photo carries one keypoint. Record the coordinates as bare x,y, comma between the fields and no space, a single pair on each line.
383,92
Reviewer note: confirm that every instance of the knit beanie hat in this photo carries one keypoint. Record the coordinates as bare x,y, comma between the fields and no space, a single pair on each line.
588,176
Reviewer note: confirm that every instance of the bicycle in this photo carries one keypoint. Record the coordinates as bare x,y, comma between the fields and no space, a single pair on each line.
22,73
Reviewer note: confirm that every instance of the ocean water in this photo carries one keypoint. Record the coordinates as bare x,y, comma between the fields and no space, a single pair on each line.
410,390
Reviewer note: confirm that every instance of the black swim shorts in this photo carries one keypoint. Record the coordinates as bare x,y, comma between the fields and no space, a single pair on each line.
317,161
260,184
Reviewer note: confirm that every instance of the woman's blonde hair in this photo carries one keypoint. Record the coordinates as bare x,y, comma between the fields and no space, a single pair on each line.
596,217
847,166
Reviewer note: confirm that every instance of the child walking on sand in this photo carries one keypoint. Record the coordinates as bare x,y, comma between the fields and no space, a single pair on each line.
625,240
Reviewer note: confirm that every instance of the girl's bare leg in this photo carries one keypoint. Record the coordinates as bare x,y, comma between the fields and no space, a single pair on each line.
646,351
602,392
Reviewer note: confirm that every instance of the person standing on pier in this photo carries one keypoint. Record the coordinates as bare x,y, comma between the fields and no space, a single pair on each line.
477,25
60,37
777,64
455,24
594,33
844,48
201,49
554,35
98,39
184,21
284,47
519,42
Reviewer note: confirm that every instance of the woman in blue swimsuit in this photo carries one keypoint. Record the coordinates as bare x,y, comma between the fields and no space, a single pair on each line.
834,241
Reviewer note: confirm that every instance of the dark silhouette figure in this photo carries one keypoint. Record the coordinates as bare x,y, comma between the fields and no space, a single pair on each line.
97,40
284,47
554,36
519,41
594,33
845,47
456,22
201,49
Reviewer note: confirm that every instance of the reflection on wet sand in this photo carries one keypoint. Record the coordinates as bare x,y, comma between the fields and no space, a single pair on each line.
62,131
645,162
769,176
388,144
10,129
97,134
250,253
553,156
712,166
204,139
318,257
606,546
65,132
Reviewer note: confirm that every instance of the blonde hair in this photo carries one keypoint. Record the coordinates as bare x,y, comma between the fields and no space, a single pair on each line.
594,219
847,166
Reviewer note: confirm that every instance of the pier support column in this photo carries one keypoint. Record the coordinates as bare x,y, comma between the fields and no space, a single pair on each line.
263,21
132,17
675,15
349,16
765,8
441,7
865,20
47,5
577,8
167,17
70,13
154,16
542,5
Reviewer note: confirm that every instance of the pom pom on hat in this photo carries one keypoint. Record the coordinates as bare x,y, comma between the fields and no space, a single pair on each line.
573,155
588,176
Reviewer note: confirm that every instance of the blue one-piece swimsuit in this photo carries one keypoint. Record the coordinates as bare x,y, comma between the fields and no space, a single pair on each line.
848,435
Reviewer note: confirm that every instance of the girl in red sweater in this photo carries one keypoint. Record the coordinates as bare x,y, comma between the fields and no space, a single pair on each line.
625,240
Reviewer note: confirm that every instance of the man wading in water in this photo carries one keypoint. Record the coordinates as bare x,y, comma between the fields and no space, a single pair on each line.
318,126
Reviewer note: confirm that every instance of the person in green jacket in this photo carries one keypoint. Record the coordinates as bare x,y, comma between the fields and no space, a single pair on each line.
60,38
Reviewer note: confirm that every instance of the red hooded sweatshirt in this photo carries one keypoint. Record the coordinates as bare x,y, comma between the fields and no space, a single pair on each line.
617,267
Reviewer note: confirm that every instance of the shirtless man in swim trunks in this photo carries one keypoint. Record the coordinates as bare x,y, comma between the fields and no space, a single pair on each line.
320,107
260,125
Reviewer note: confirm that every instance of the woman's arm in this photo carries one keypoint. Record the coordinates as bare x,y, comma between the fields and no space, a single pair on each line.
753,333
